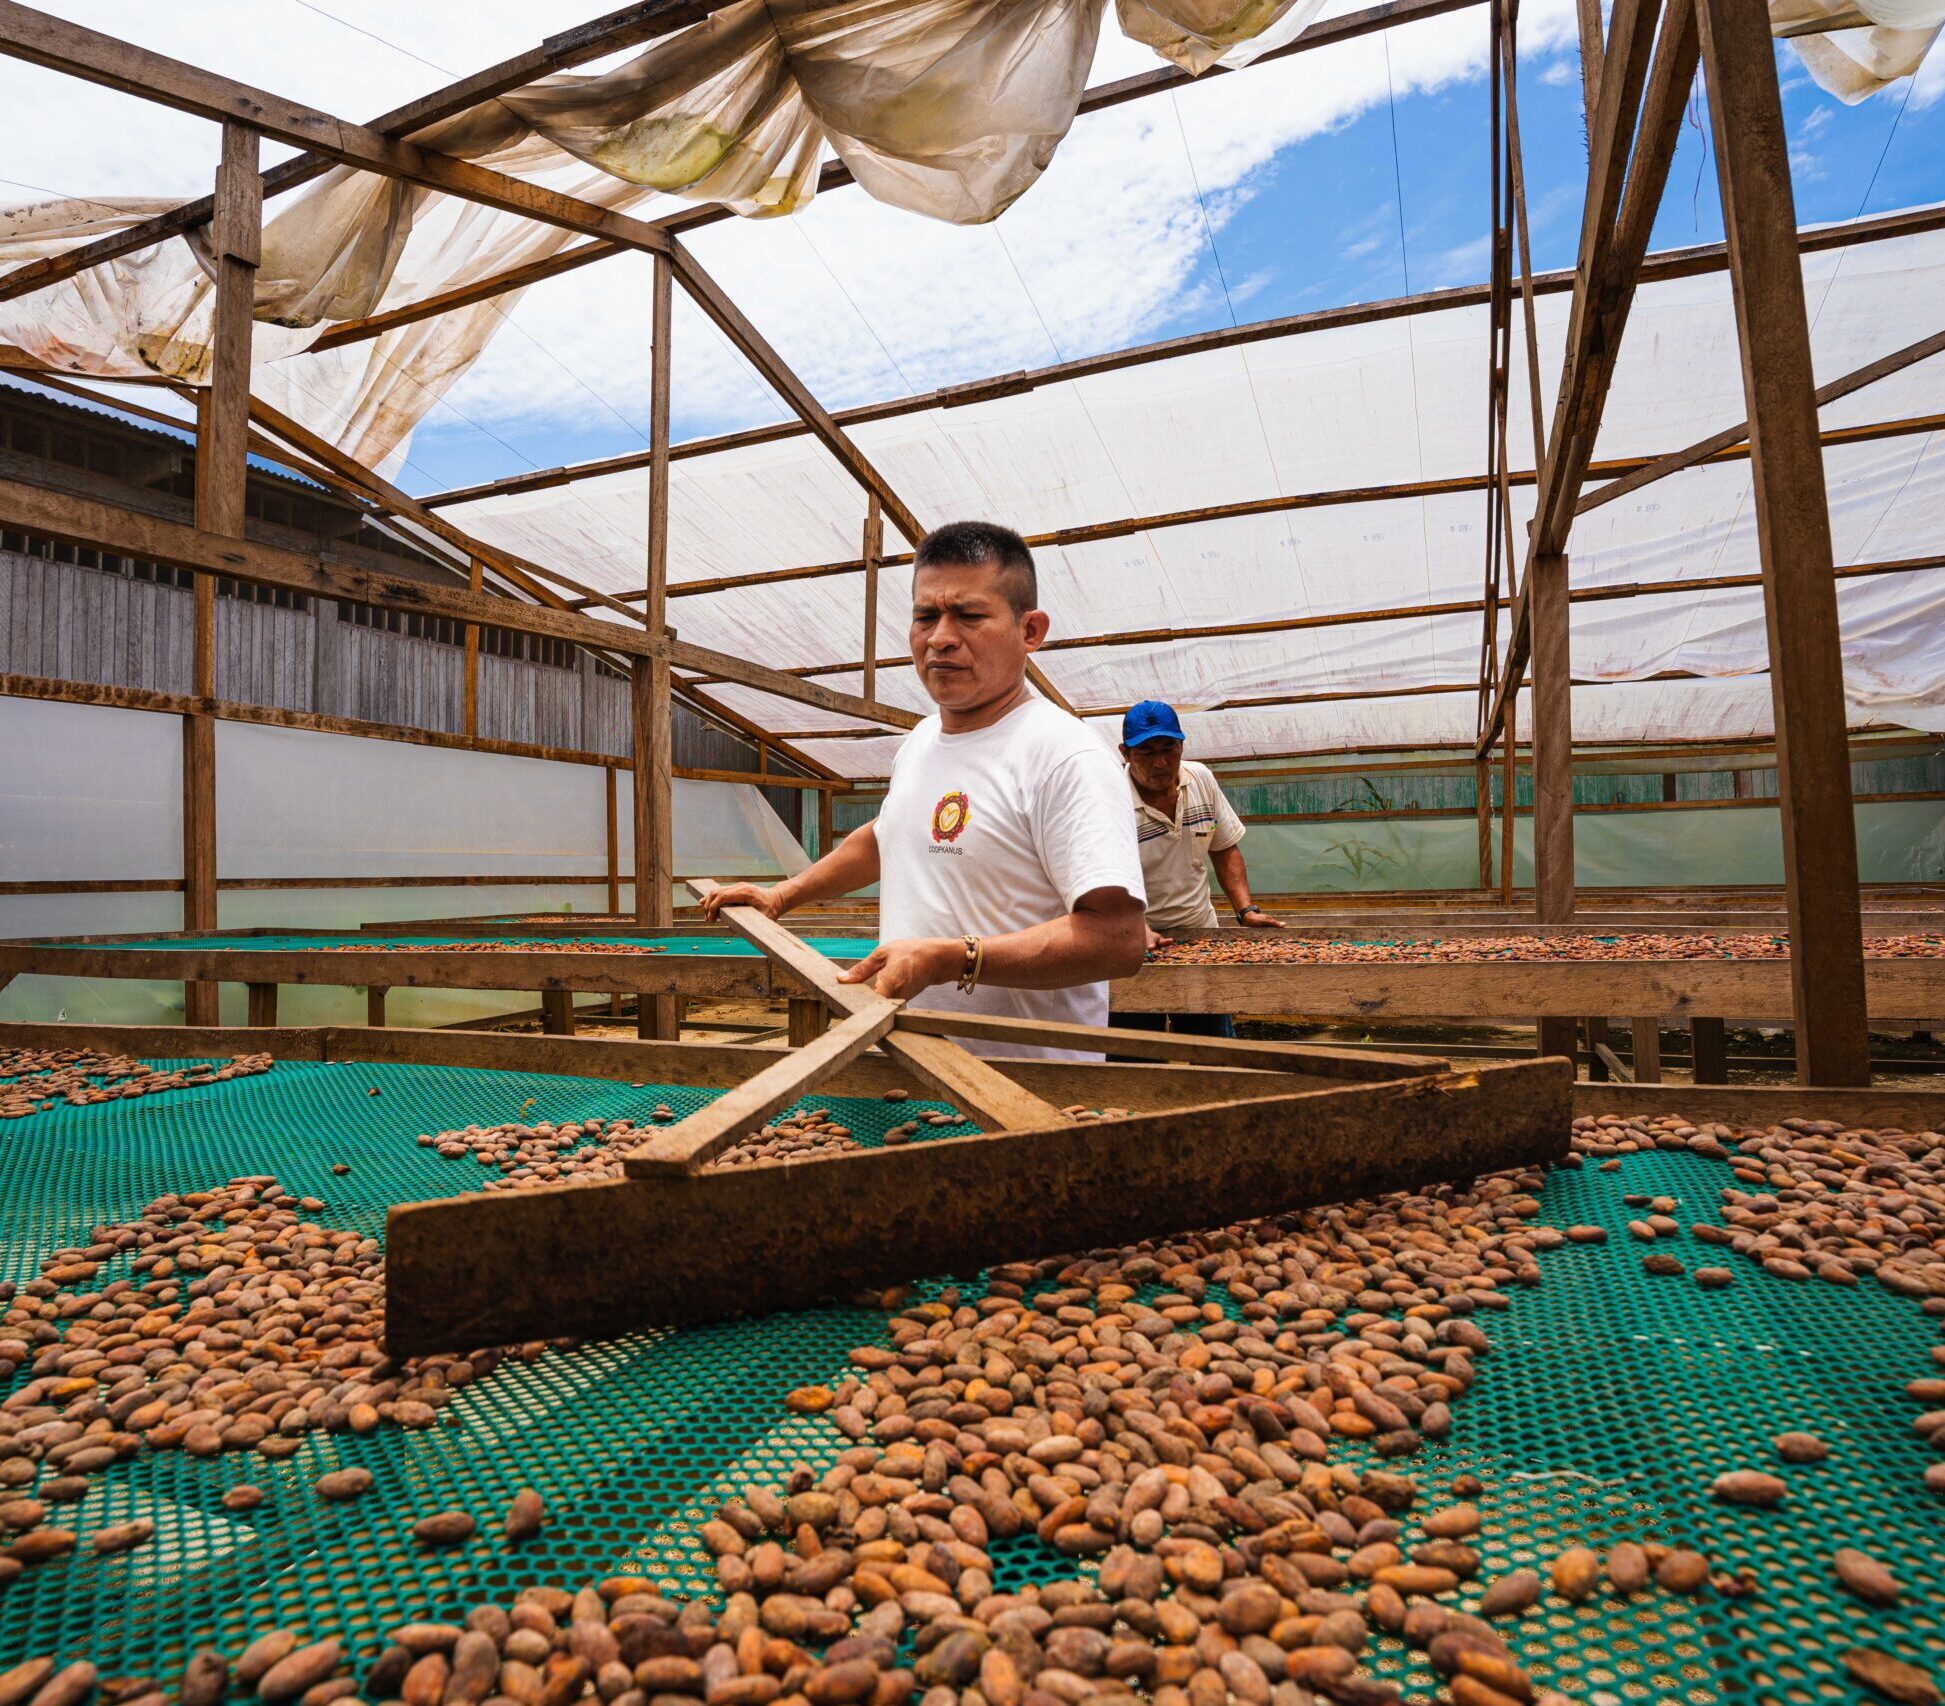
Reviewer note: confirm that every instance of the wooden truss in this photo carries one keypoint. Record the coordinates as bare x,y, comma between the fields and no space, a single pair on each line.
1266,1127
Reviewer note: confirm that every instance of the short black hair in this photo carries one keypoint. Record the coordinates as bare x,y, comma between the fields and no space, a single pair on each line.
974,544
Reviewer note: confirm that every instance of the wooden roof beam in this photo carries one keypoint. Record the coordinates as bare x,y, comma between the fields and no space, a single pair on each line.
1693,262
1094,532
1705,449
1645,77
628,27
756,349
108,527
1370,618
835,175
95,57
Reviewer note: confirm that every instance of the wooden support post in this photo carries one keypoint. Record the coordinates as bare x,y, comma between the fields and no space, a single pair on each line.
557,1012
614,841
1508,794
222,471
1806,667
1482,785
1553,780
1647,1049
1597,1046
610,790
470,715
263,1006
1553,796
1592,52
874,548
808,1020
1709,1051
826,822
375,1007
656,1016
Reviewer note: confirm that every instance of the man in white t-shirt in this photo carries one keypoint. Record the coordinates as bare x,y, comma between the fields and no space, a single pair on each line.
1183,825
1004,850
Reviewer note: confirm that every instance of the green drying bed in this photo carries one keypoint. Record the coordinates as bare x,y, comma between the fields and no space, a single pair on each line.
837,947
1609,1402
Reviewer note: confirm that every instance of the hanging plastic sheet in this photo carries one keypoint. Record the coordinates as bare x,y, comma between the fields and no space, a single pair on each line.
1885,40
950,108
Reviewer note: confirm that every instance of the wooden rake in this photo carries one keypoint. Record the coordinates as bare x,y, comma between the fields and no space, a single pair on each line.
1236,1130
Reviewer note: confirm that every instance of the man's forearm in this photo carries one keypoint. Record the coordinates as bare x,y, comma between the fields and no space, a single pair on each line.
1083,947
1232,876
851,865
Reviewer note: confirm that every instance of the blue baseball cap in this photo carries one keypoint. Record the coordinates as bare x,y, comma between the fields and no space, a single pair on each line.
1150,720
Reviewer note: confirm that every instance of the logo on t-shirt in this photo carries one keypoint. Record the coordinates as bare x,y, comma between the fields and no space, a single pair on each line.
949,817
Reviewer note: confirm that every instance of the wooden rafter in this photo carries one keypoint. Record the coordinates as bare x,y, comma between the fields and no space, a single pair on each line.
835,175
94,57
1697,261
1644,78
1393,491
628,27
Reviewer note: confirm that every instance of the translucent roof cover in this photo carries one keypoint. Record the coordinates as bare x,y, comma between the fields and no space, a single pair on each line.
1336,411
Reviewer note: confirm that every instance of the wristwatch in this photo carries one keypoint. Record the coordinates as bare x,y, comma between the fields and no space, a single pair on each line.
1244,912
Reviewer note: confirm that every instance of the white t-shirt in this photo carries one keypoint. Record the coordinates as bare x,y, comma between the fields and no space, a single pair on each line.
997,830
1175,854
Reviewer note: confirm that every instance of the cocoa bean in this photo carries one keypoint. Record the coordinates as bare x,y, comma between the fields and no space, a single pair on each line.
67,1687
1749,1487
1890,1678
1627,1568
1511,1595
24,1681
1870,1580
302,1669
525,1517
1682,1571
205,1679
444,1528
266,1650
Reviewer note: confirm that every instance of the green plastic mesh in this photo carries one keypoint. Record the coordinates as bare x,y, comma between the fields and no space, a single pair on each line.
1609,1402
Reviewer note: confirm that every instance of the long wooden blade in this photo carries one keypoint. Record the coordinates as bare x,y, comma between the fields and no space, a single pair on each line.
991,1099
685,1146
1352,1065
1138,1087
595,1260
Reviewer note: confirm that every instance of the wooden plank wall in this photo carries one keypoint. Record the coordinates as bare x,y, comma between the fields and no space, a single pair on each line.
84,624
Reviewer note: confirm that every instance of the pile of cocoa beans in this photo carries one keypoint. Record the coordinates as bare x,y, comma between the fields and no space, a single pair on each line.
1269,947
242,1325
1170,1416
522,945
33,1079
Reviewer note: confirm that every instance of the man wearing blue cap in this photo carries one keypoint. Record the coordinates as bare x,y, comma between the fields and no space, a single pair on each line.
1183,825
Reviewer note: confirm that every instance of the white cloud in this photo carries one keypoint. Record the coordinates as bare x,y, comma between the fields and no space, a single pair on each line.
1560,73
1464,263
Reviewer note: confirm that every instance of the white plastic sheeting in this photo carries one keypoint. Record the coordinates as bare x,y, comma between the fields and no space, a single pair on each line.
1326,411
89,792
950,108
1897,842
1857,62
